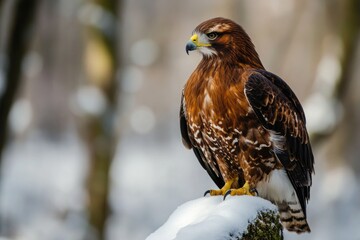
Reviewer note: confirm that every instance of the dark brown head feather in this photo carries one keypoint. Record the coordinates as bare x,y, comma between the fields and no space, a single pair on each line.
232,43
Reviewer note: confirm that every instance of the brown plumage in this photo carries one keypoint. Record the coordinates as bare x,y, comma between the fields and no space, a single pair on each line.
245,125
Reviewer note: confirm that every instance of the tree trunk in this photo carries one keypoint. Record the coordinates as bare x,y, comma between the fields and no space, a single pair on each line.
17,45
98,129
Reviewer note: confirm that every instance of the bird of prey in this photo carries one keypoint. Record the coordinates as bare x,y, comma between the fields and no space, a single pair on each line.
245,125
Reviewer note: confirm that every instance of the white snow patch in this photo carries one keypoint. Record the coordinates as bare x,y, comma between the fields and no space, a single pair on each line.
211,218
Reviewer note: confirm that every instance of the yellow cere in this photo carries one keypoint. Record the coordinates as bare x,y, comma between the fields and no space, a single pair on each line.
195,39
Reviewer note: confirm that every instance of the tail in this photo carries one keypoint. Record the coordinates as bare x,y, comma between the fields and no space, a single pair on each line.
292,217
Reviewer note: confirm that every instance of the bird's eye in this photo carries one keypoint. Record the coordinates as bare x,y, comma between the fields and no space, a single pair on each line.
212,35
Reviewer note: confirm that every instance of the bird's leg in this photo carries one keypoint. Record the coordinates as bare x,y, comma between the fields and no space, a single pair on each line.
223,190
244,190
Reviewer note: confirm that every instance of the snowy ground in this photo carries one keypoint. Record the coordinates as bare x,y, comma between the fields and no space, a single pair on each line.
211,218
42,196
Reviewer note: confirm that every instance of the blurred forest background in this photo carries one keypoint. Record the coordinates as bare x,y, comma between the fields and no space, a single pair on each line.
89,100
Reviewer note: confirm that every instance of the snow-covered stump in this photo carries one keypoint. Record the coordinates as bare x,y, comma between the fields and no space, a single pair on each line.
211,218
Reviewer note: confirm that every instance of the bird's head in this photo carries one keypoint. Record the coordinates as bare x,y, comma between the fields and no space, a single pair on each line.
221,37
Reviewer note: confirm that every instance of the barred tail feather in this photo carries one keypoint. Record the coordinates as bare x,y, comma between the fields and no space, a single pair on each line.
292,217
278,188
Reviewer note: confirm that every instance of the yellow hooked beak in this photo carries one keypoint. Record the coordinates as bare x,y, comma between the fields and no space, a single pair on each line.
194,43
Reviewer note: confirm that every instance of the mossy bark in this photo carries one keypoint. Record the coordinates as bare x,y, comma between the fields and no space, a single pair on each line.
265,226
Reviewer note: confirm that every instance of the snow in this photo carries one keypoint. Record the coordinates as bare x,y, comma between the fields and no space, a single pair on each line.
211,218
41,192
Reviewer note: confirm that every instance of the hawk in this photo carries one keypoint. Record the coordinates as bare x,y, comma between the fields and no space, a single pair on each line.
245,125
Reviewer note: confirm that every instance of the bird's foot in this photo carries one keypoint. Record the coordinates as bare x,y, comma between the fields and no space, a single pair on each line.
222,191
244,190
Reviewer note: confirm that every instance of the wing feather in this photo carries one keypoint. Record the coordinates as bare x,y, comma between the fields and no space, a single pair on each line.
279,111
183,125
214,174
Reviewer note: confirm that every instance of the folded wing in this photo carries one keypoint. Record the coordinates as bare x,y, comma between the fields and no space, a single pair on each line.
280,112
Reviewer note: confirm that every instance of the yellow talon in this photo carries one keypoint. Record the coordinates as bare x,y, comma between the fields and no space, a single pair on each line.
244,190
221,191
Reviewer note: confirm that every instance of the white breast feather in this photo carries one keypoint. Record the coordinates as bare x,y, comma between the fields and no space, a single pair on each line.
277,187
